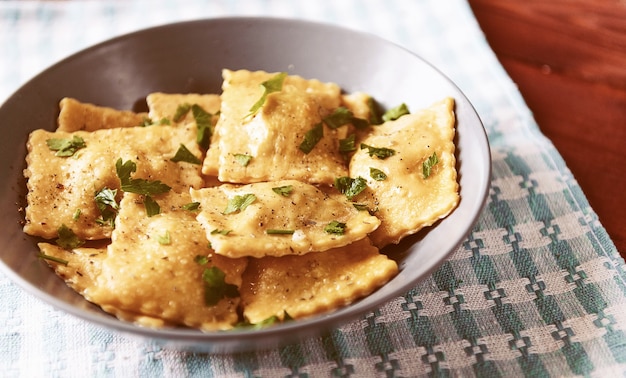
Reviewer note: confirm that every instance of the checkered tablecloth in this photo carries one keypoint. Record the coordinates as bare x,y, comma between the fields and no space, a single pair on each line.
537,289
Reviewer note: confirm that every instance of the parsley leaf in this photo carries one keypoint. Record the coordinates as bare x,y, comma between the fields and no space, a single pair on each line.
380,152
191,206
335,228
349,186
360,206
284,191
58,260
215,286
220,232
152,207
203,125
273,84
311,138
273,231
183,154
164,239
377,174
138,186
66,147
347,145
239,203
202,260
181,111
265,322
395,113
428,164
341,116
107,204
374,108
243,159
149,122
67,238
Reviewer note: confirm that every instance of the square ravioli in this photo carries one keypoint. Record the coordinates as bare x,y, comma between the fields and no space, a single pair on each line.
270,137
278,218
404,198
62,189
75,115
156,267
313,283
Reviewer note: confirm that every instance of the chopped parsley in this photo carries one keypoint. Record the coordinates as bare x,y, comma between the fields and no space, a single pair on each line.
395,113
273,84
66,147
349,186
152,207
380,152
220,232
311,138
107,204
360,206
58,260
335,228
341,116
428,165
202,260
273,231
149,122
215,286
164,239
191,206
348,144
270,321
67,238
284,191
138,186
76,214
377,174
374,108
239,203
242,159
183,154
181,112
203,125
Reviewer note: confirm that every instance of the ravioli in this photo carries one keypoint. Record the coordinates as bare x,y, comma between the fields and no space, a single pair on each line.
406,201
152,269
313,283
271,137
75,115
62,189
256,231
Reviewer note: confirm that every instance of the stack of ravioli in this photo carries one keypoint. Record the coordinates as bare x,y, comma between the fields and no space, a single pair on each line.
212,211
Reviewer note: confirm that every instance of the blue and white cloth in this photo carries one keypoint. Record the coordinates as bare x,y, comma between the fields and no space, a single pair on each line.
537,289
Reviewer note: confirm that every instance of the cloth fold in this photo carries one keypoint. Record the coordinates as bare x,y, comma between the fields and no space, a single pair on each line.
536,289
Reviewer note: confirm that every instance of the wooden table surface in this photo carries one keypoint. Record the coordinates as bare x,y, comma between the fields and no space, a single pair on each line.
568,58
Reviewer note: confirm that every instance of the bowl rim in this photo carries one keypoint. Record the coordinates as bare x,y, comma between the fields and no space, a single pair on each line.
312,325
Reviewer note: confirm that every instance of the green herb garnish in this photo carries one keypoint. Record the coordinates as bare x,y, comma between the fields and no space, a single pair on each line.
191,206
149,122
202,260
395,113
274,319
58,260
360,206
76,214
137,186
428,164
183,154
273,84
107,204
377,174
284,191
242,159
164,239
349,186
181,112
273,231
374,108
380,152
335,228
66,147
67,238
341,116
203,125
347,145
215,286
239,203
311,138
152,207
220,232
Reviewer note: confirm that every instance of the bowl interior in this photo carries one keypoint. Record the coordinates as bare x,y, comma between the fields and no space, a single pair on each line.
188,57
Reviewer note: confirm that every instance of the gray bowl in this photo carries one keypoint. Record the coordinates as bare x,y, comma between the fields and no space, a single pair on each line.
189,57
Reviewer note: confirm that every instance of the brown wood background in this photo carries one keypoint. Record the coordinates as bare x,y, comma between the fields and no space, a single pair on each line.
568,58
